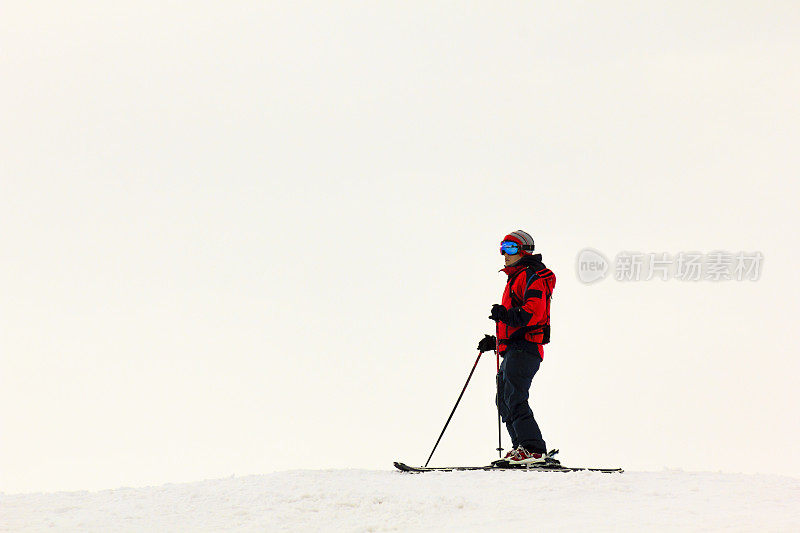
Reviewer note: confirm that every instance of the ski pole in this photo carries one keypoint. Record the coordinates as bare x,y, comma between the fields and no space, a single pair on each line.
454,408
499,431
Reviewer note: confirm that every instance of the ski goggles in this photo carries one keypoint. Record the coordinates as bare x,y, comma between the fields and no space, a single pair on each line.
509,248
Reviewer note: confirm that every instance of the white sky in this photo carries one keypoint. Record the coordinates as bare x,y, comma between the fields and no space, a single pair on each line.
246,237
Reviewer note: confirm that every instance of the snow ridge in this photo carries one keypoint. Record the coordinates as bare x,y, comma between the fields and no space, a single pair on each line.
364,500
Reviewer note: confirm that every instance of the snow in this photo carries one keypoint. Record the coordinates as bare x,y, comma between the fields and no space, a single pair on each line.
365,500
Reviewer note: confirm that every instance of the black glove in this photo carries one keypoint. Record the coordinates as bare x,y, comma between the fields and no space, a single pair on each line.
499,313
488,343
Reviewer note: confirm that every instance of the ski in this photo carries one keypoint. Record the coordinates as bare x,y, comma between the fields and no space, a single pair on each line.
551,464
544,467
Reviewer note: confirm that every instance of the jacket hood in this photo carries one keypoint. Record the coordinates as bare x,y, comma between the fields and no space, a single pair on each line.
534,260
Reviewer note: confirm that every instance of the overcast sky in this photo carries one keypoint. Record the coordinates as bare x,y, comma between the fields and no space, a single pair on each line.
240,237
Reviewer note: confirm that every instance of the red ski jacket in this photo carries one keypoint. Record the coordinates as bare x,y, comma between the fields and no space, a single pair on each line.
527,298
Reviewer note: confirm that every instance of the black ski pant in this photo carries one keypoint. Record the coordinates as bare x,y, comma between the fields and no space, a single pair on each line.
513,385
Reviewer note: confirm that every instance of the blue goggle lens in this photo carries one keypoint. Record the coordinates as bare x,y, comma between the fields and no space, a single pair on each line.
509,248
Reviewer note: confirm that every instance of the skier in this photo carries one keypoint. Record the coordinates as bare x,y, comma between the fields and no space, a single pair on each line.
523,326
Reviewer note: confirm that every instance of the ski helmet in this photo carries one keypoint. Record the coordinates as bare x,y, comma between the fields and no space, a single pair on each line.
522,238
